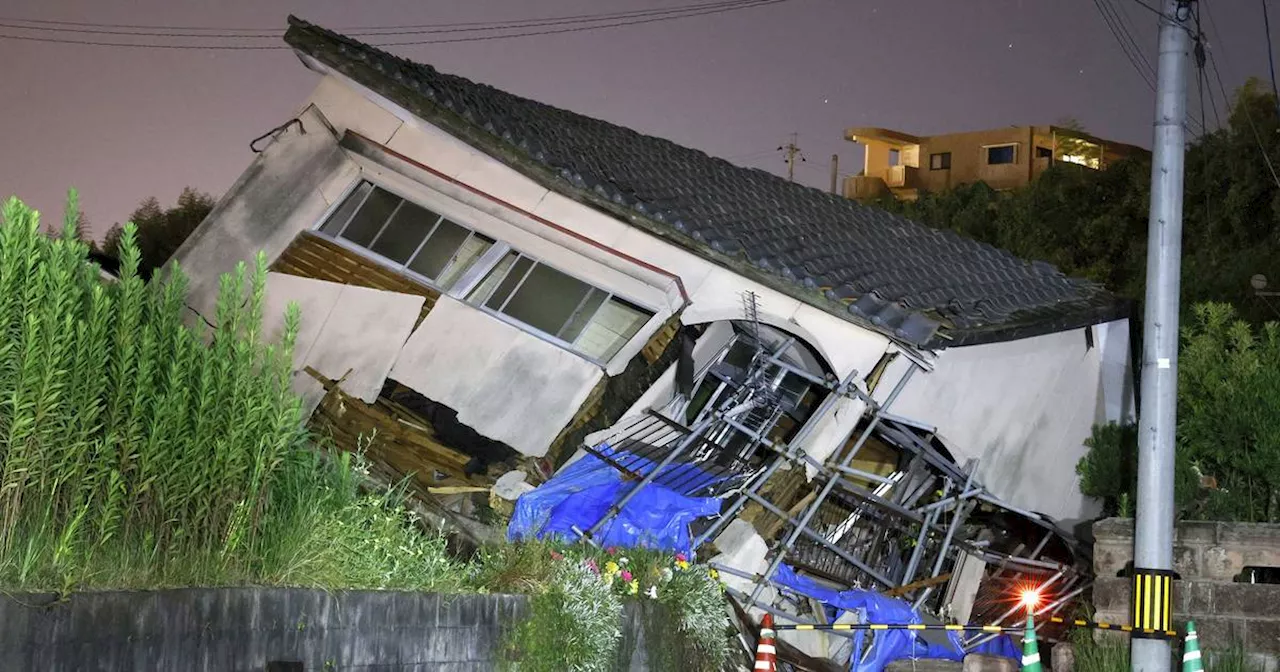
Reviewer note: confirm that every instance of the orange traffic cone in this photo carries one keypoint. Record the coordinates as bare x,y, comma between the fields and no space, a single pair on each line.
766,651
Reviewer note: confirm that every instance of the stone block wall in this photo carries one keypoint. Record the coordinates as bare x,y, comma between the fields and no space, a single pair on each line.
1201,549
1209,558
245,629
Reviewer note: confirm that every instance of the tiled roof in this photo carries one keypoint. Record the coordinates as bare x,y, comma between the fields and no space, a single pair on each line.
924,286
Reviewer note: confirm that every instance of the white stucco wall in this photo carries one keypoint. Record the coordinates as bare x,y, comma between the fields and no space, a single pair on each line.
715,293
504,383
345,330
1024,409
284,190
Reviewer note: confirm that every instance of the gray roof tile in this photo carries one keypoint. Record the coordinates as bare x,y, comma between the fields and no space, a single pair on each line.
928,287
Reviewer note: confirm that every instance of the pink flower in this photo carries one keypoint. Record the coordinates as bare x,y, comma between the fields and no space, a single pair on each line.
557,556
626,576
681,557
591,564
612,550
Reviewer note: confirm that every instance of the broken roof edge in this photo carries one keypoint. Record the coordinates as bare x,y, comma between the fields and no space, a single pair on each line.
1106,309
315,44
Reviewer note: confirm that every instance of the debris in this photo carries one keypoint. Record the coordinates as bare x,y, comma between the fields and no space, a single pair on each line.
511,485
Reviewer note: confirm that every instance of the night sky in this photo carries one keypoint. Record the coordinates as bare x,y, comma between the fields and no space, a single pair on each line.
122,124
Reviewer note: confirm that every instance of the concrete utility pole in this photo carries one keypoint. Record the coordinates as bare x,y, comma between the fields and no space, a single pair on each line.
792,152
1153,527
835,171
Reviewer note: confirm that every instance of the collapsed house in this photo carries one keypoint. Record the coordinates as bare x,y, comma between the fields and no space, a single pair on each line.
490,283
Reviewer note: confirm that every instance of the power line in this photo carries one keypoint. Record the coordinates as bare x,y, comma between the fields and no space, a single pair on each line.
1117,22
1271,61
355,30
1203,75
377,31
751,4
1122,23
747,4
1242,104
1149,8
1124,46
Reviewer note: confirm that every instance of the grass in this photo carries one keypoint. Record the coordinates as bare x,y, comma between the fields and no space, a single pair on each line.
1111,654
136,452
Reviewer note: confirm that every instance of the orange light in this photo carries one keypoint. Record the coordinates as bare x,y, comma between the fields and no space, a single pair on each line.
1030,598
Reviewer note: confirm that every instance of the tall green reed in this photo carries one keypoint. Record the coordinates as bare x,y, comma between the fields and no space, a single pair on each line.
117,423
139,451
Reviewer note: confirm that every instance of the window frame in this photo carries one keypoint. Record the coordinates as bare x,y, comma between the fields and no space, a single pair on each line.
477,272
944,158
545,335
382,260
986,153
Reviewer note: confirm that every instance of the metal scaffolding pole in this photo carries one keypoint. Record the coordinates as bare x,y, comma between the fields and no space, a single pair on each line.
957,518
1153,526
694,436
845,555
803,434
831,482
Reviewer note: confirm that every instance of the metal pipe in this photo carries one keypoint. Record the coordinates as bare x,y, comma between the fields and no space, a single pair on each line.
823,408
967,494
737,504
742,597
826,489
863,474
917,553
666,461
1012,610
956,519
880,578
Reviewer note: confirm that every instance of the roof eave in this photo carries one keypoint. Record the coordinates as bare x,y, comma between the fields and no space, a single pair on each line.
1101,313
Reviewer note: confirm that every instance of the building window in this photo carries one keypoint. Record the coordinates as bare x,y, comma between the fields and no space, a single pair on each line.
895,157
1044,153
591,320
1001,154
425,244
940,161
407,235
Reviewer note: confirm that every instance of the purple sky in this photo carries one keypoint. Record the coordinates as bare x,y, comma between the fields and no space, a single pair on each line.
123,124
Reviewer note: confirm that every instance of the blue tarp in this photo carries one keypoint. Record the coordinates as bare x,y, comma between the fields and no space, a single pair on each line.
581,494
889,645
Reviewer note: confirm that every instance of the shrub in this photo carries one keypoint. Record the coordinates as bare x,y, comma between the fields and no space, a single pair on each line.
1227,465
578,592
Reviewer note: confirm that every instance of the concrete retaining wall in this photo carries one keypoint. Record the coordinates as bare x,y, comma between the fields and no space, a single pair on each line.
1201,549
245,629
1209,557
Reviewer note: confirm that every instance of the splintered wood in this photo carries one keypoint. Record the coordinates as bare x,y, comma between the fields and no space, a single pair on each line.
398,439
312,256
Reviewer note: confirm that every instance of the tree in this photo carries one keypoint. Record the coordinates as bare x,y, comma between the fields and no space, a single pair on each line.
1228,439
161,231
1093,223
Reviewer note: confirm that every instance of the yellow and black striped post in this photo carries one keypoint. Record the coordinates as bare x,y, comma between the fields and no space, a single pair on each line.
1152,603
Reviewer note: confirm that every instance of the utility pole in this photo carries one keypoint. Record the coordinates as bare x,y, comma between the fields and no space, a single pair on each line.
1153,524
792,152
835,171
